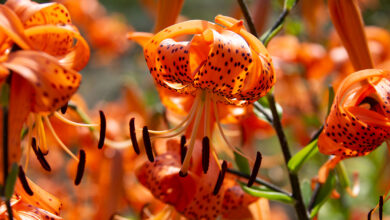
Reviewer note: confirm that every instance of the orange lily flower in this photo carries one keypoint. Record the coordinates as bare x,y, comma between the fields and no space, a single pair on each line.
192,196
40,205
359,120
40,59
224,65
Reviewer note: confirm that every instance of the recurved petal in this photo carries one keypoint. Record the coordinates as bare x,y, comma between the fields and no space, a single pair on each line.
32,13
11,26
53,84
64,42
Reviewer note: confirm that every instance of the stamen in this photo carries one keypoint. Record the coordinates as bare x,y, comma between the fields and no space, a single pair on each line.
147,143
64,147
41,158
80,167
133,136
223,134
102,130
205,154
183,148
67,121
188,118
183,153
23,180
41,135
186,162
255,169
220,179
64,108
370,214
380,207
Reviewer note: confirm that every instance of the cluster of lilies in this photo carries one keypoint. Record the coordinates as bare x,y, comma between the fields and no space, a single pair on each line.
218,82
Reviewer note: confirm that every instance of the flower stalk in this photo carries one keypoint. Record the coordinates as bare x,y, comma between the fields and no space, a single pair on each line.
294,180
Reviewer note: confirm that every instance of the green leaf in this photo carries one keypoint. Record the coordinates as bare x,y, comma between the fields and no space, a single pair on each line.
267,36
10,182
267,193
342,175
330,98
323,194
242,163
296,162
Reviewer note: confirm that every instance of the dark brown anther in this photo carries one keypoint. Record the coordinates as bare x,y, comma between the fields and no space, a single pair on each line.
64,108
133,136
102,135
221,177
370,214
23,181
205,154
41,158
255,169
183,153
80,167
181,174
380,207
147,143
183,148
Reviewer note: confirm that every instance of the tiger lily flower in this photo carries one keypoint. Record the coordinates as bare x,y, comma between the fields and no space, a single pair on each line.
359,119
220,68
40,58
192,196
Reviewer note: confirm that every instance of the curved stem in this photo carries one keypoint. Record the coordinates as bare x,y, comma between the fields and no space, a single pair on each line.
299,206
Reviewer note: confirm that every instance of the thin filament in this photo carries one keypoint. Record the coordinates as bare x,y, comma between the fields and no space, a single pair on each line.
67,121
223,134
41,134
66,149
186,163
192,110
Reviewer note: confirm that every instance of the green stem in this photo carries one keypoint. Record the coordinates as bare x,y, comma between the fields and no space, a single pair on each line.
5,109
294,180
259,181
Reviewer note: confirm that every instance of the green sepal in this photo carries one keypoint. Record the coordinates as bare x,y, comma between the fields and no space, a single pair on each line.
267,193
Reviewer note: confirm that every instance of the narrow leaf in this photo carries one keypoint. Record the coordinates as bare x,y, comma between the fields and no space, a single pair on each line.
267,193
296,162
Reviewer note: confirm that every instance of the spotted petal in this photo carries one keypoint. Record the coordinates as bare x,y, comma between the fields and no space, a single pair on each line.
53,84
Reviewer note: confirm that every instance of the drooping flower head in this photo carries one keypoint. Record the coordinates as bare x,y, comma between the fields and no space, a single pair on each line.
218,64
359,119
41,52
226,61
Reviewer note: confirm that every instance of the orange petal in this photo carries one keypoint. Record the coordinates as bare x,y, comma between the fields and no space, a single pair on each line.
235,203
53,84
40,198
351,31
163,180
63,42
140,37
167,13
12,27
32,13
